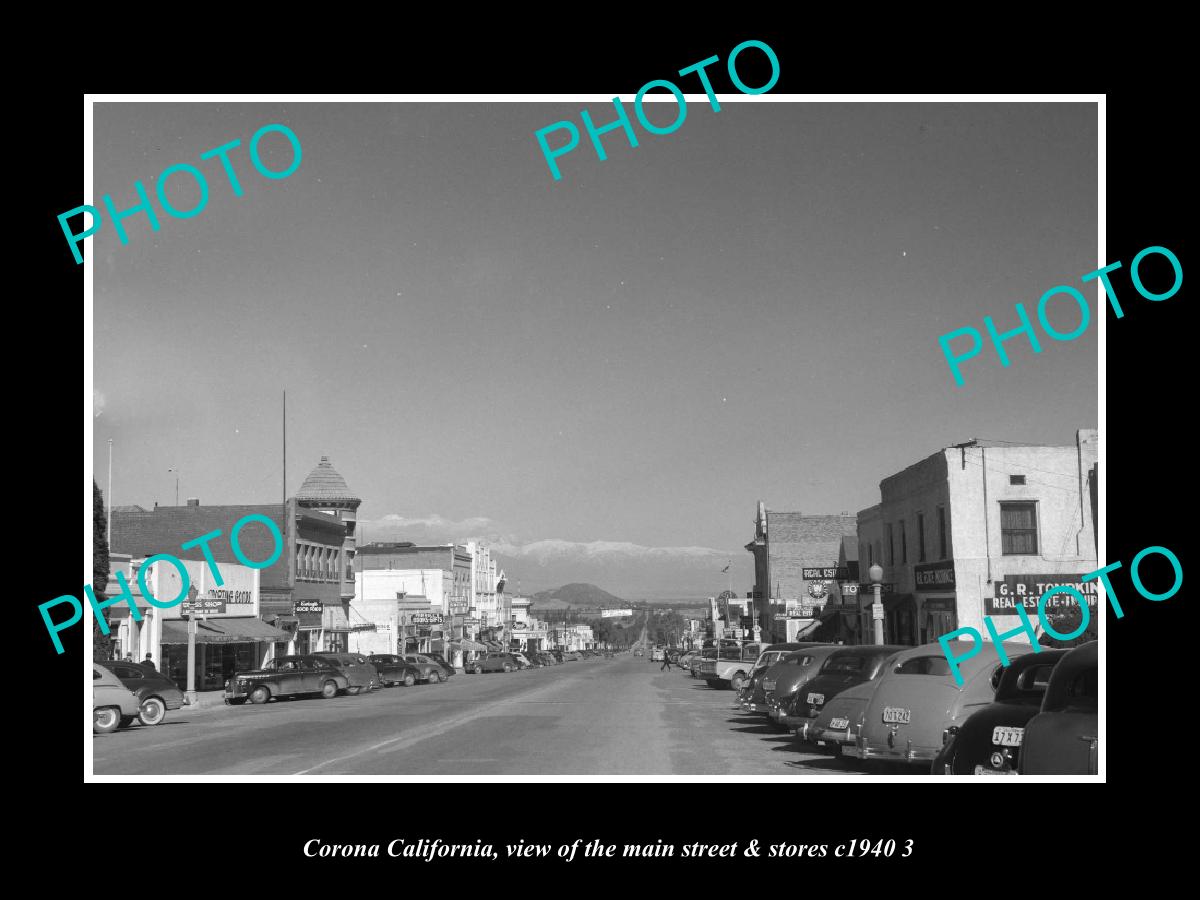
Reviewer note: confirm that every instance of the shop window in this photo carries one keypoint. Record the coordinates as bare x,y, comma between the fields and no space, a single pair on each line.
1016,479
1018,529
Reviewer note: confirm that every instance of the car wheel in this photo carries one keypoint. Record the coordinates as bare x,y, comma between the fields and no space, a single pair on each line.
409,680
329,689
353,690
478,670
106,719
507,668
434,677
259,695
152,711
739,681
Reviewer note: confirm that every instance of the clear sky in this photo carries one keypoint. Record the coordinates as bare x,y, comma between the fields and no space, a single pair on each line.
745,309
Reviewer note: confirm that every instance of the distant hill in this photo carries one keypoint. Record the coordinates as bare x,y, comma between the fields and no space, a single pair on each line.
575,595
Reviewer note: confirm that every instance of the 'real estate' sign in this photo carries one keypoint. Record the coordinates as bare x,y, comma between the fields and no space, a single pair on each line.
828,574
938,576
1028,589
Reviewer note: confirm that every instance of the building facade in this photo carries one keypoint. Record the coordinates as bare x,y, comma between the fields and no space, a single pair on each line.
792,555
977,528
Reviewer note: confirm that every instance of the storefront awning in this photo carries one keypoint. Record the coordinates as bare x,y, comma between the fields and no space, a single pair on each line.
465,644
806,630
225,630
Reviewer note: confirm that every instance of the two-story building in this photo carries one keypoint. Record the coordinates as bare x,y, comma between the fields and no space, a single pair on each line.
975,529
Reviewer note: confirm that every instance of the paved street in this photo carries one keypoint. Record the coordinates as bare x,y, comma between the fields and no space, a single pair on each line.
592,717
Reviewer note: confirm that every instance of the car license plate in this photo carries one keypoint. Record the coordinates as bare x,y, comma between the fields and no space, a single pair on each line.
896,715
1007,736
839,724
816,699
985,770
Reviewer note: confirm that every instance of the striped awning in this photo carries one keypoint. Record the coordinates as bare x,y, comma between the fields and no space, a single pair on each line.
223,630
466,644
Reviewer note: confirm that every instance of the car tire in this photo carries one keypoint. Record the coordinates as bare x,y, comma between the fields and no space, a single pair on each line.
106,719
352,691
409,679
434,677
152,711
507,667
260,695
478,670
738,681
329,689
239,701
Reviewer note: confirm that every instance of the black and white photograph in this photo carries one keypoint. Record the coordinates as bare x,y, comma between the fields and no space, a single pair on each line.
514,437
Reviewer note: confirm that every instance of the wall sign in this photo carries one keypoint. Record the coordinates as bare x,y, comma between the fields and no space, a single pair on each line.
938,576
1028,589
827,574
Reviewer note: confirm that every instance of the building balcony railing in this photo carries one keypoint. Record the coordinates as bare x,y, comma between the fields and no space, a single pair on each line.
306,574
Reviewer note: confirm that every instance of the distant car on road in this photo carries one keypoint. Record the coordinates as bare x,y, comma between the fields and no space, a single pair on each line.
1062,738
155,692
360,673
113,704
394,669
494,661
639,652
286,676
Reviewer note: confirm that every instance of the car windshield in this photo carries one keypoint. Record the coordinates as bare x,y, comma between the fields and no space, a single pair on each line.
924,665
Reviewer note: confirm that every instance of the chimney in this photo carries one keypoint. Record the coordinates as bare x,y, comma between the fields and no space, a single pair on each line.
193,501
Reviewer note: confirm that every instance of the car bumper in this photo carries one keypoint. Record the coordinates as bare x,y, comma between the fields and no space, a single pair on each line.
909,755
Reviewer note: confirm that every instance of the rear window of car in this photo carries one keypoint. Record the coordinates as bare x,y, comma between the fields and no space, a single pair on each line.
849,663
1085,686
924,665
1034,679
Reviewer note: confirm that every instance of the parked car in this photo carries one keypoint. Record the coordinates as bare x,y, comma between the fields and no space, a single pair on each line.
752,697
1062,738
558,655
549,659
431,670
989,741
656,654
697,661
639,652
494,661
783,682
394,669
835,729
287,676
155,692
731,666
113,704
523,661
917,700
684,659
571,656
360,673
843,668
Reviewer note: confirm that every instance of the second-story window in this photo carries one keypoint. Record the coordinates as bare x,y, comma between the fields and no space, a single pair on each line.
903,543
1018,529
891,545
941,516
920,537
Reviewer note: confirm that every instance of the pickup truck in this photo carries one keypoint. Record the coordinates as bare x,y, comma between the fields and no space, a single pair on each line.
732,666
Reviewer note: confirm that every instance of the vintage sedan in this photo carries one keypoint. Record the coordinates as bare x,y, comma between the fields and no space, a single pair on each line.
431,670
753,698
360,673
842,669
155,692
917,699
394,669
835,729
1062,738
113,704
989,742
494,661
287,676
784,680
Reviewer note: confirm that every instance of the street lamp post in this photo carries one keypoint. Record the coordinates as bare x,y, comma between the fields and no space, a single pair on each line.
876,573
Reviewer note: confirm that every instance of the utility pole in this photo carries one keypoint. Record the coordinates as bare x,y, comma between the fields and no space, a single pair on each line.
108,497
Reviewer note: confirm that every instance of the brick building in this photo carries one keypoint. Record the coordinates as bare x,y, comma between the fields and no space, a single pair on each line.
784,545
